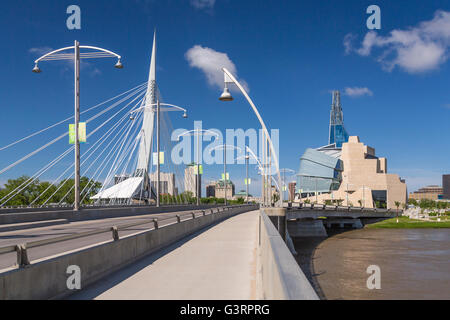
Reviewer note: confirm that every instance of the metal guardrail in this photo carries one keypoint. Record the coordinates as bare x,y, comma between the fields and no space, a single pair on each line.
21,249
303,206
12,209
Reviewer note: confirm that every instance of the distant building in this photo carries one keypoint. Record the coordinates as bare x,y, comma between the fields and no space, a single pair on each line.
292,191
190,180
353,174
211,190
338,134
220,189
429,192
167,183
242,194
446,186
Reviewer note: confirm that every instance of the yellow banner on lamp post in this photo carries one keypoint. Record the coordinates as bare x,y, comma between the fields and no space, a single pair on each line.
155,158
201,169
81,133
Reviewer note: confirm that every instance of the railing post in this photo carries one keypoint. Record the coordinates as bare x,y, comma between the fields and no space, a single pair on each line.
155,222
115,233
22,255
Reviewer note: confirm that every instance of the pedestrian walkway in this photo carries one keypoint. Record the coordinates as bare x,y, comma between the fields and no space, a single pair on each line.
219,263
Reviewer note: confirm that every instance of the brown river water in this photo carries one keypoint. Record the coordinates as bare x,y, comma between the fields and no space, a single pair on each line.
414,263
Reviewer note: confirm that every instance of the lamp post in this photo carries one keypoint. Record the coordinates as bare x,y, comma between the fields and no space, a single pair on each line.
167,107
76,56
246,174
284,170
224,148
226,96
198,133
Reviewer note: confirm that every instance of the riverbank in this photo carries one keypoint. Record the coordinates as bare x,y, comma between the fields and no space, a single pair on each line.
407,223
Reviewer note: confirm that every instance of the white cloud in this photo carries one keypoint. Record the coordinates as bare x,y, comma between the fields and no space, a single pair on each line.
357,92
40,50
415,49
203,4
211,63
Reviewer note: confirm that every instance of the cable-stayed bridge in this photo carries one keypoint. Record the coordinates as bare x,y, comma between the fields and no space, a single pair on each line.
116,162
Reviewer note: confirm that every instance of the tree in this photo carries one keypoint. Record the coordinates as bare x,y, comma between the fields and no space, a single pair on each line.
24,191
397,204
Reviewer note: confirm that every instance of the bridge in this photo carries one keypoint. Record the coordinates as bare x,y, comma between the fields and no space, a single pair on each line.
213,252
109,226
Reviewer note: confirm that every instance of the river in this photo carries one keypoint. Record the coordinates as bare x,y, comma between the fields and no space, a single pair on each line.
414,263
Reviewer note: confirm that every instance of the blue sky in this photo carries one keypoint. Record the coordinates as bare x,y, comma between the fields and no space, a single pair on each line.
395,86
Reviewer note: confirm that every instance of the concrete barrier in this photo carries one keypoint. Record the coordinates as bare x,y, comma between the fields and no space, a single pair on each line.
91,213
47,278
281,276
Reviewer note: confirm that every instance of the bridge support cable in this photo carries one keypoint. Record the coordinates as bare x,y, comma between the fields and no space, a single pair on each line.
35,176
113,166
96,175
65,120
60,157
102,139
57,139
71,189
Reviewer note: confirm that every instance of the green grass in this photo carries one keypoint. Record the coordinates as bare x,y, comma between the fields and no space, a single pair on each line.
406,223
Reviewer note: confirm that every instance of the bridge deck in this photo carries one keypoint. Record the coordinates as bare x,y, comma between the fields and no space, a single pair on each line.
219,263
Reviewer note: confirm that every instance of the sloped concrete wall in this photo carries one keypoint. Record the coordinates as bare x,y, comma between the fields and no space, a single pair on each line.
281,276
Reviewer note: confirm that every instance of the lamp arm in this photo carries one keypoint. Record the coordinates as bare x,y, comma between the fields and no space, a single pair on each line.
101,49
50,53
261,121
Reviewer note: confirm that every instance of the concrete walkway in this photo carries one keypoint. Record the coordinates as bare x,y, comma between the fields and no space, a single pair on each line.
219,263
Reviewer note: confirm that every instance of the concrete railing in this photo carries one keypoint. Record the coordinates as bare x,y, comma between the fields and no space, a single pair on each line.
281,276
92,213
47,278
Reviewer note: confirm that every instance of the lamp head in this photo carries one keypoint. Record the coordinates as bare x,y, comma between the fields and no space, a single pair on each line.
119,65
185,115
36,69
226,95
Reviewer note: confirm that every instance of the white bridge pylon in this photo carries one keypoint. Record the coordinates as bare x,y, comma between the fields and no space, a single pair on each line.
138,186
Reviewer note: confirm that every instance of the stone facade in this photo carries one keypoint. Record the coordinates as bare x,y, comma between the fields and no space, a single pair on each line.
365,179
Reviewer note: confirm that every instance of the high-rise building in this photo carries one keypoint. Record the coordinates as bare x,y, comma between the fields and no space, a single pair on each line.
220,189
338,134
167,183
211,190
190,180
446,186
292,191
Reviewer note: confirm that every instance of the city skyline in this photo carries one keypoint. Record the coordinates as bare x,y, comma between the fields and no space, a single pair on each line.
380,101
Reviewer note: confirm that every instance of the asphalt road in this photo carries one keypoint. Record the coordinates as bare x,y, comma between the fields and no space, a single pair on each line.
43,233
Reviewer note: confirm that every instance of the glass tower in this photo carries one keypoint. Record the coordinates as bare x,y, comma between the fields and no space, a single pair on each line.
338,134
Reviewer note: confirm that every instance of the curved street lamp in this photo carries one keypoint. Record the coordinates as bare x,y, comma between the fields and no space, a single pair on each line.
226,96
198,133
76,56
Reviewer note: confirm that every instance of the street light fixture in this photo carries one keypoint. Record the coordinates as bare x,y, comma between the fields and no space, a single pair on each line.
226,96
198,133
76,56
167,107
